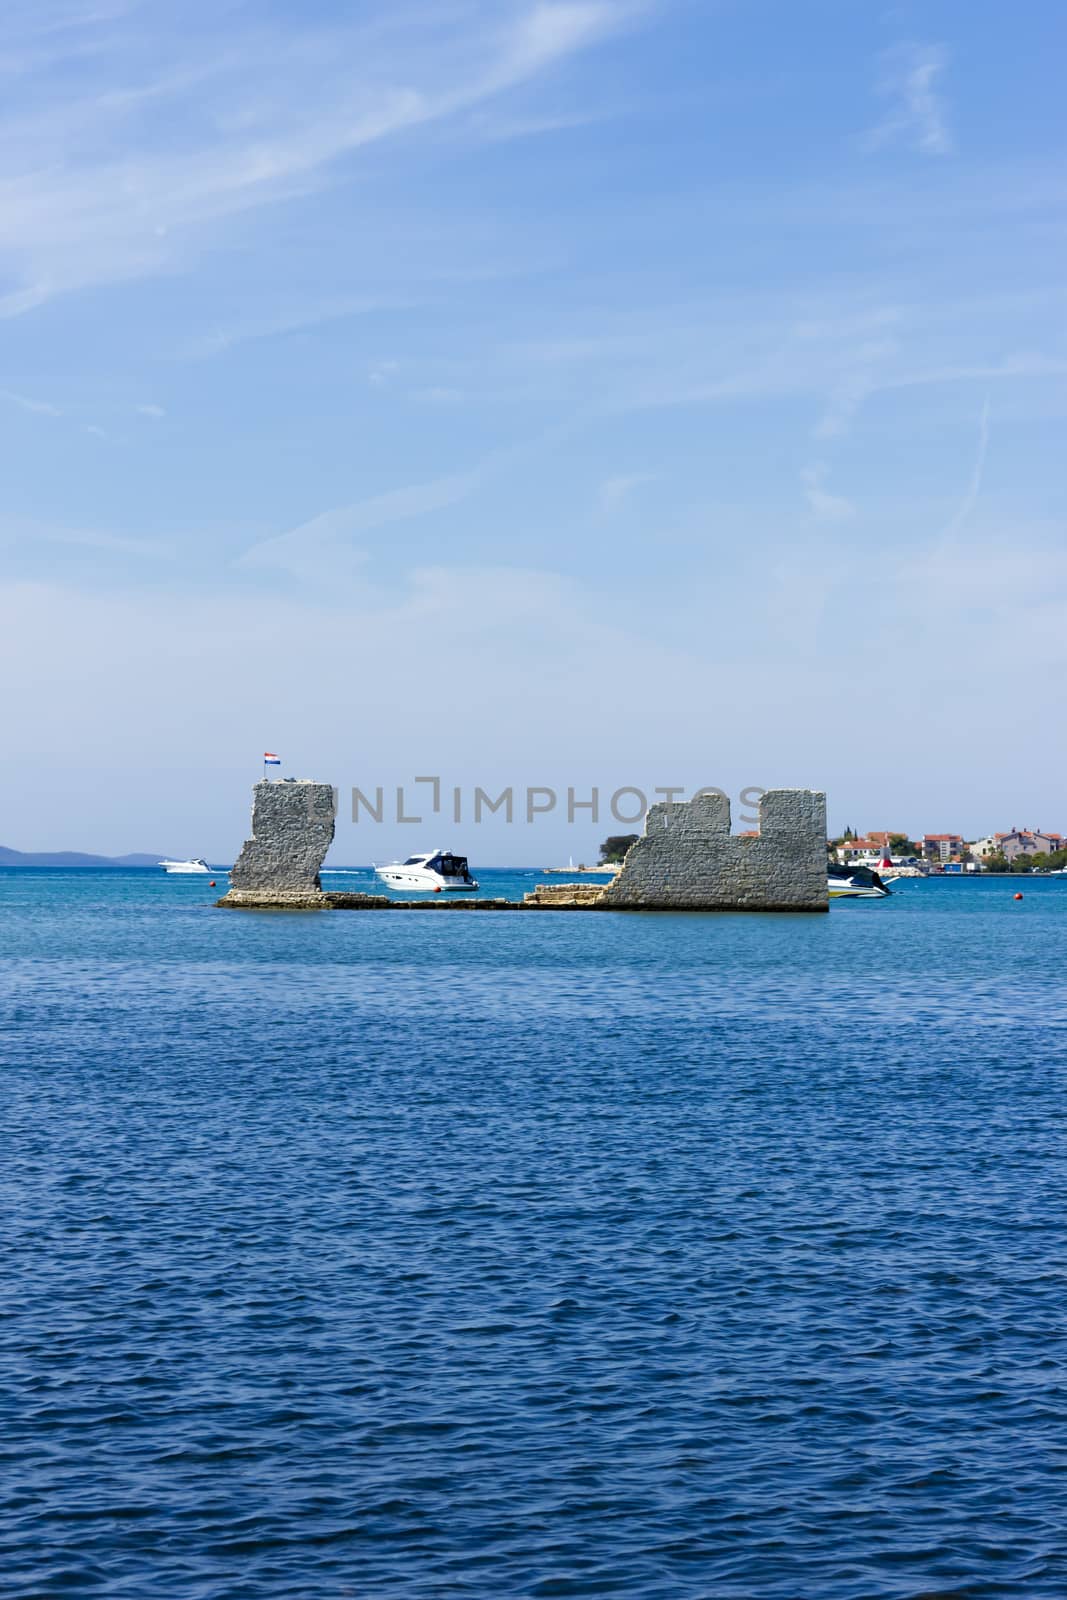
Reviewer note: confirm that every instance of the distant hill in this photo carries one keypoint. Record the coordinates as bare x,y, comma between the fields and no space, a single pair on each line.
71,858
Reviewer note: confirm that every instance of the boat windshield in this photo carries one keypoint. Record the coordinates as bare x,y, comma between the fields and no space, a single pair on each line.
414,861
865,876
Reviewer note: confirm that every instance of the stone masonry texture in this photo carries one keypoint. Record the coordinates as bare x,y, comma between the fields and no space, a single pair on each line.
292,829
687,858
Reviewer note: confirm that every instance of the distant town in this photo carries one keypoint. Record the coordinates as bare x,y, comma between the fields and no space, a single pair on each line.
1018,850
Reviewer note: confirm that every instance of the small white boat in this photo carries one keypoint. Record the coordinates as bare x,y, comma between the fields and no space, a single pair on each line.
185,866
854,883
431,873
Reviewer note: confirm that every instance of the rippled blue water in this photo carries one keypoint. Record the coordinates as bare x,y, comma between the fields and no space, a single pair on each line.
352,1254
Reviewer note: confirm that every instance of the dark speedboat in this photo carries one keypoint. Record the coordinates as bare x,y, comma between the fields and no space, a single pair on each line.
854,883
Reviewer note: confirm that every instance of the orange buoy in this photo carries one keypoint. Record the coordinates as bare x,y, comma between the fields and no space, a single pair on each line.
1016,896
437,888
212,884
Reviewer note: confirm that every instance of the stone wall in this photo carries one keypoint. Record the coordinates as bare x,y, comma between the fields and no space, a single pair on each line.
292,829
688,859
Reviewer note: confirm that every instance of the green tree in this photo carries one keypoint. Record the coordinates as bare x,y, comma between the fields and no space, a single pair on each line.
614,848
901,845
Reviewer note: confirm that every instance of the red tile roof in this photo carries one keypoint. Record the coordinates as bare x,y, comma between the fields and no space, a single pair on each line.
1027,833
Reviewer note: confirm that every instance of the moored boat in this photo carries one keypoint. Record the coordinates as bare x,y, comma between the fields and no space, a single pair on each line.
433,872
185,866
854,883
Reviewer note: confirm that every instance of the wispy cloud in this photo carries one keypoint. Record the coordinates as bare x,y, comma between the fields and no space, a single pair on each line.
552,30
382,372
842,355
23,532
916,114
974,488
121,185
494,128
291,317
615,492
857,377
438,395
322,549
41,408
1031,365
825,506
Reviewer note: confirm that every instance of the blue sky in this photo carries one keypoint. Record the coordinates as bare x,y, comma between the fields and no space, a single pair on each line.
577,392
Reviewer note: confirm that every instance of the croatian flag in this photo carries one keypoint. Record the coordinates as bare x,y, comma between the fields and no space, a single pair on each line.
271,760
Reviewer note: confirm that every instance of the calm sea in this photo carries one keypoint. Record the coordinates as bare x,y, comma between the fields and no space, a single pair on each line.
500,1255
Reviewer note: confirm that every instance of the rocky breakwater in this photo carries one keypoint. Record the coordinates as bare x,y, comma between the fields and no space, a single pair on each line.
565,896
292,829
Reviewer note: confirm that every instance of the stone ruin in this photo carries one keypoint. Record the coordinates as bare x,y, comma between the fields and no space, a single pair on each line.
292,829
686,860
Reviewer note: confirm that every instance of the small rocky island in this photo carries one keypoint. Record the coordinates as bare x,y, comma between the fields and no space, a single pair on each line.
686,860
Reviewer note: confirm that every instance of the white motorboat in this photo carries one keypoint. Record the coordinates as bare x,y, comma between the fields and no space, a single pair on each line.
854,883
185,866
431,873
